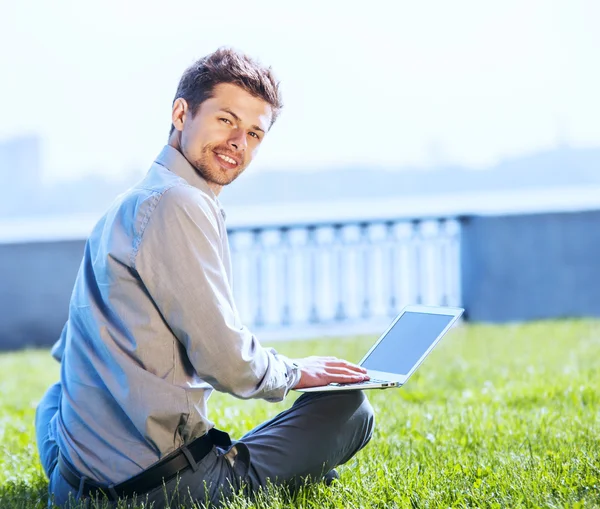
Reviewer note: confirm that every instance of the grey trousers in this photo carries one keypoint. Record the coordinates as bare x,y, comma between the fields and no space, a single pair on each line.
300,445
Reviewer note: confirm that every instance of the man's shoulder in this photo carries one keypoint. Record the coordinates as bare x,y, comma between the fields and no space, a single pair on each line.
172,190
162,197
167,202
160,186
183,198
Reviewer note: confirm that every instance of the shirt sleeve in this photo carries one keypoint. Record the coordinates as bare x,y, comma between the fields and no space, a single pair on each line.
180,262
58,348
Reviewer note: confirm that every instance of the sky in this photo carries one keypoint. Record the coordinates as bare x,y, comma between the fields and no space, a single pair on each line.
377,83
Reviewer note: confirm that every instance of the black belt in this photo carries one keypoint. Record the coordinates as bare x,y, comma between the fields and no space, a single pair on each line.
168,467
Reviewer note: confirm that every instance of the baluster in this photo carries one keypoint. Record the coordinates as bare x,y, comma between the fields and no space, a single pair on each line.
444,259
258,252
284,242
455,257
417,262
391,238
311,242
338,239
365,241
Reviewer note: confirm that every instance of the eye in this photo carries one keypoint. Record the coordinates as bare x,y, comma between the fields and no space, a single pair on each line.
252,133
226,120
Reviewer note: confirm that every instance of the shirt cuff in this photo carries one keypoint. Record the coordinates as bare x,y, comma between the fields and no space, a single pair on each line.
293,372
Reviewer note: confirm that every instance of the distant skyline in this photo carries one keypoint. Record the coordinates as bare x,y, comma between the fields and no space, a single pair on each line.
365,83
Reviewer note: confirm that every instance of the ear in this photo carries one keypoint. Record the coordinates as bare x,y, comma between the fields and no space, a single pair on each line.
179,113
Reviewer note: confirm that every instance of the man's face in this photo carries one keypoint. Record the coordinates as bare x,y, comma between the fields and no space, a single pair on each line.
223,137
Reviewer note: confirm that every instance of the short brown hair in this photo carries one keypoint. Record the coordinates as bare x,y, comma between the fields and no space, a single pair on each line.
227,65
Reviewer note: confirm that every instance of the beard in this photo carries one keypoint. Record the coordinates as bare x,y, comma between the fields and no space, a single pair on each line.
210,170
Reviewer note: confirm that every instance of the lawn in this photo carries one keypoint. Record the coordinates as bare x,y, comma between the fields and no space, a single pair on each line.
498,416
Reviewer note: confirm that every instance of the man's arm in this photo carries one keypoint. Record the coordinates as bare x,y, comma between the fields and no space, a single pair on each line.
180,262
59,347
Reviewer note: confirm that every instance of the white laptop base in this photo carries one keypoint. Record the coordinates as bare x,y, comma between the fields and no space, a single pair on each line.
407,353
367,384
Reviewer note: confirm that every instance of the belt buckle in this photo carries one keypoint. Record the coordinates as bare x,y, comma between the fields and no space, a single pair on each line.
231,455
238,456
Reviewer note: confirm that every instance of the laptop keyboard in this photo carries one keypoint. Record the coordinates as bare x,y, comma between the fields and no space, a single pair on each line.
364,382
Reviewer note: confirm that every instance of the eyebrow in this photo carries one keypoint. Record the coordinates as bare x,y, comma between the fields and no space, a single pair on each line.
255,127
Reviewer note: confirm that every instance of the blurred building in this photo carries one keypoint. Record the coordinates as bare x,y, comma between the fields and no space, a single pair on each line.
26,195
20,171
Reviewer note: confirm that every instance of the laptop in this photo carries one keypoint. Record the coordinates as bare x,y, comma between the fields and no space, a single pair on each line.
401,348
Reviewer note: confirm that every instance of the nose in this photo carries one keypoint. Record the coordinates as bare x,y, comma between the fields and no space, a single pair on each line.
237,140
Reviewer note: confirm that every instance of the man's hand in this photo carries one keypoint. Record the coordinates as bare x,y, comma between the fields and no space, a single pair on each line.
318,371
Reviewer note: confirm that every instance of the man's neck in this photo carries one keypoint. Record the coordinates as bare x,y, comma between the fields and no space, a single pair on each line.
174,142
215,188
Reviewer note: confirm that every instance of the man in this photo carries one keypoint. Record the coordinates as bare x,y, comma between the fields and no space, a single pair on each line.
153,328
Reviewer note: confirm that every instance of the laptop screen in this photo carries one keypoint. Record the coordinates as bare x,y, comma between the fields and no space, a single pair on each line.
406,342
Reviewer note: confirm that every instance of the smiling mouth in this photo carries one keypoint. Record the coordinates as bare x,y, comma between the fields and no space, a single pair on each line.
228,160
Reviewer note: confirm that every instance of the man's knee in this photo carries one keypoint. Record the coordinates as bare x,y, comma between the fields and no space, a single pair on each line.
357,428
355,410
357,400
367,415
347,410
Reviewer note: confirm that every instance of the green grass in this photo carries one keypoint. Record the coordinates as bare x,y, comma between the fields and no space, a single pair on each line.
498,416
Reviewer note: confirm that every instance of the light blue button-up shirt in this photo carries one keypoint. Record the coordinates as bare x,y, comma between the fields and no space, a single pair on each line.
153,328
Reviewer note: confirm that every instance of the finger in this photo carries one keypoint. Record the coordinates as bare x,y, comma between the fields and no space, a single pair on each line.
344,379
343,361
345,364
344,371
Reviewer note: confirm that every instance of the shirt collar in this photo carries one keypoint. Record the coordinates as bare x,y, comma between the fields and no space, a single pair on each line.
174,161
